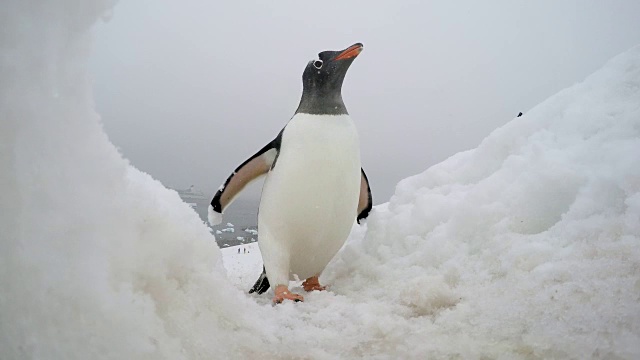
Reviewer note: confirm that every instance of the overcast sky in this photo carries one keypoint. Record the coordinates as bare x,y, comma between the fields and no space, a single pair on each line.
189,89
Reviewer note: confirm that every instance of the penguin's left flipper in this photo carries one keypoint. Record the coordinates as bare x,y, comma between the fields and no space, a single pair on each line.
365,202
253,168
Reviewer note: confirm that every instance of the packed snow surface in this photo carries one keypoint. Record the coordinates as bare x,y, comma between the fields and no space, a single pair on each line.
243,268
525,247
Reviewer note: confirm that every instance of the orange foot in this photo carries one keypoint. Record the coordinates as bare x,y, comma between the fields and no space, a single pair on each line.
312,283
282,292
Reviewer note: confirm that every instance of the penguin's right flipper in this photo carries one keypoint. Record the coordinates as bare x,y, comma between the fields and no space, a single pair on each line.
365,201
254,167
262,284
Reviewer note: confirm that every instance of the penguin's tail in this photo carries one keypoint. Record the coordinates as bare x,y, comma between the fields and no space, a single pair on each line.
262,285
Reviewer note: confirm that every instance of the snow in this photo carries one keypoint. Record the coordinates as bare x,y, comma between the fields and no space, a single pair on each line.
525,247
243,268
97,260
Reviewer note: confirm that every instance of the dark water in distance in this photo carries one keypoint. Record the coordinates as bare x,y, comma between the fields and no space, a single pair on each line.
242,213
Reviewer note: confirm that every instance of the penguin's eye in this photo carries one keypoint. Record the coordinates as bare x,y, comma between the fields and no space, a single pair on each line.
317,64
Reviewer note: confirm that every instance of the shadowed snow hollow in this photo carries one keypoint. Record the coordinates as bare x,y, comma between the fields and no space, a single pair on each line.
526,247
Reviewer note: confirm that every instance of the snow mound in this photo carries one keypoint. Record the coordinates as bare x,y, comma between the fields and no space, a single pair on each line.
97,260
529,244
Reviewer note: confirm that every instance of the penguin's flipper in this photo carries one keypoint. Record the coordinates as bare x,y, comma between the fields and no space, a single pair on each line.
365,202
254,167
262,284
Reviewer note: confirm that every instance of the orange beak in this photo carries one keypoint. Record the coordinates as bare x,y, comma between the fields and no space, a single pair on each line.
351,52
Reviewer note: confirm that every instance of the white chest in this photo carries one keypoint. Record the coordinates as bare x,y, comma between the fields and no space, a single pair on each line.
310,198
322,137
319,157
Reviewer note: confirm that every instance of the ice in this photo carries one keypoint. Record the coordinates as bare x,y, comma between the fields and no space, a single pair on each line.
525,247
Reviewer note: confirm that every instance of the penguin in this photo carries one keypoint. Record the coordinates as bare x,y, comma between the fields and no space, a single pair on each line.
314,186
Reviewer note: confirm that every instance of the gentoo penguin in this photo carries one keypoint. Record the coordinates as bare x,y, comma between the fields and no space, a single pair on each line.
314,188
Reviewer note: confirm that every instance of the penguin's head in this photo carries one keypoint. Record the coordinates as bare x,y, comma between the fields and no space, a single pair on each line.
322,81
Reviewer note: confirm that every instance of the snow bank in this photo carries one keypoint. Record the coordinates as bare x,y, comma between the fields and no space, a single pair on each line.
526,247
97,260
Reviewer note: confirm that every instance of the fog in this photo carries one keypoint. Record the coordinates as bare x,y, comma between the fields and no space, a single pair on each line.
177,84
